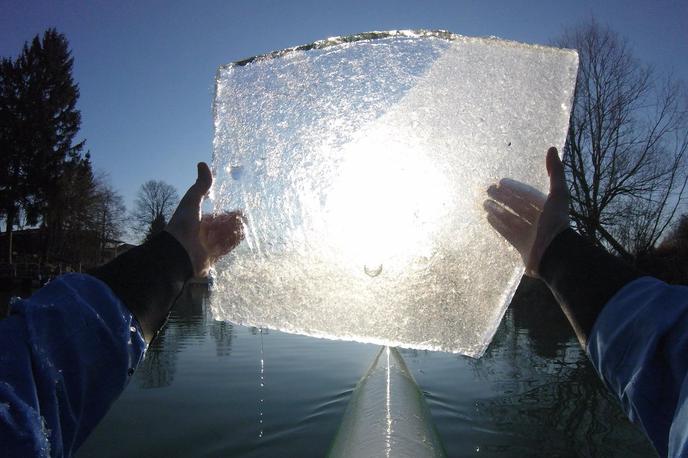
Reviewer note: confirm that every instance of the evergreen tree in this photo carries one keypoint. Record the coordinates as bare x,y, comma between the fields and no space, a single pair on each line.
39,122
68,218
156,227
13,180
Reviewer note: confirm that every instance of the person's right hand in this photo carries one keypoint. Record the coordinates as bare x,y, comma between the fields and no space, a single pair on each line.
527,218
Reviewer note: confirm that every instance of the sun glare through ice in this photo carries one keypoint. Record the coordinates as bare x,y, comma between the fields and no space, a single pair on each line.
384,205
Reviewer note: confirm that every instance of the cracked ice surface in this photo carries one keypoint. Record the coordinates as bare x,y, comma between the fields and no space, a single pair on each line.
361,164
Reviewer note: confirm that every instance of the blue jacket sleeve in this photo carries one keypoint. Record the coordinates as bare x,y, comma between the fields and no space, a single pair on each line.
639,346
66,353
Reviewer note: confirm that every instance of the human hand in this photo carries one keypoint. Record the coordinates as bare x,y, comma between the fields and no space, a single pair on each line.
208,237
527,218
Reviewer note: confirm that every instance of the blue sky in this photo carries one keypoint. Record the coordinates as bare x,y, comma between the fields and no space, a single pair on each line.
146,68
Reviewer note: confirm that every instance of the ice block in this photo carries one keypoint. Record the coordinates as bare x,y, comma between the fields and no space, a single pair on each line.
361,165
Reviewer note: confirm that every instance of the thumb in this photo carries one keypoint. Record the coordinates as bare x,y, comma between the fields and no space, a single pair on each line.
555,170
200,188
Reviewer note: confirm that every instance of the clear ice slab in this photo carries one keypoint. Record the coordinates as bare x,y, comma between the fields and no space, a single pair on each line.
361,165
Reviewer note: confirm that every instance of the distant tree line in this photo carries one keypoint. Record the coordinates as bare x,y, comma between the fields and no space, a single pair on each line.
47,181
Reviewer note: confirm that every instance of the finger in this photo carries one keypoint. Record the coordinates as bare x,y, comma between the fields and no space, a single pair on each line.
235,217
524,208
514,229
555,170
524,200
508,188
222,233
523,190
200,188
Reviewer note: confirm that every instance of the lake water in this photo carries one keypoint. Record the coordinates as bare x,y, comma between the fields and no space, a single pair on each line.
210,388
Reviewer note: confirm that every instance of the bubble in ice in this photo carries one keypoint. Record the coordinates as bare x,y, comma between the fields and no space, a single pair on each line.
373,271
375,151
235,171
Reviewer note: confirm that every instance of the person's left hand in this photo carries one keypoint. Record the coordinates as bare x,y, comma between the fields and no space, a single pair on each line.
527,218
208,237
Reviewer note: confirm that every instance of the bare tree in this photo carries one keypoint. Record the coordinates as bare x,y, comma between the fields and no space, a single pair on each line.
155,201
109,213
627,144
679,233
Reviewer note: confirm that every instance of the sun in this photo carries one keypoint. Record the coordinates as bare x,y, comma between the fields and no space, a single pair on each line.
385,204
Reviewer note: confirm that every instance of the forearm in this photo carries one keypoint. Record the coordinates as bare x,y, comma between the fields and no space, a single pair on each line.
583,278
634,331
148,278
638,346
67,352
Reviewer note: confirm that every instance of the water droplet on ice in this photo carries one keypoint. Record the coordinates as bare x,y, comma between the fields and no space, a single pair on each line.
372,271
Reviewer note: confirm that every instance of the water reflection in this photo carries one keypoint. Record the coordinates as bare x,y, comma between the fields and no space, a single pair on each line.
188,324
261,394
158,368
544,387
533,393
222,333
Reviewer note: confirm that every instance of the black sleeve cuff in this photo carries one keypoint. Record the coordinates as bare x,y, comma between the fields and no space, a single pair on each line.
148,278
583,278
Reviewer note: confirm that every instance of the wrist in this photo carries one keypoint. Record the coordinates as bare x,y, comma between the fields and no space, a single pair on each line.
148,279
